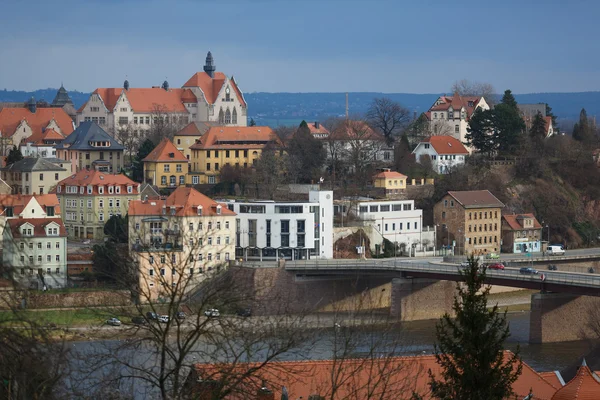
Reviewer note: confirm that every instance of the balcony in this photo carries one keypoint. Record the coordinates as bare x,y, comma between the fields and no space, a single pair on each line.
157,247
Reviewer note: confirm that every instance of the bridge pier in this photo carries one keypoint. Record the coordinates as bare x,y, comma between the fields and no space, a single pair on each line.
420,298
560,317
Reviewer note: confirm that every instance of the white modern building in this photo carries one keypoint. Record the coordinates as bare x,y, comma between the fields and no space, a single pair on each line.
445,152
270,230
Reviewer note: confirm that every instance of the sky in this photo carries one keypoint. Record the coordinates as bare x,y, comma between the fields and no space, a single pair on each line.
415,46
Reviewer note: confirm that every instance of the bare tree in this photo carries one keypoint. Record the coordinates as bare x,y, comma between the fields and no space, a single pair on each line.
388,117
465,87
165,123
129,138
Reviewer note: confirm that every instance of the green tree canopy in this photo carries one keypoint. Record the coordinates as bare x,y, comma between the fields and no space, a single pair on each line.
480,131
14,155
508,128
538,127
583,130
306,154
138,166
509,100
117,229
470,346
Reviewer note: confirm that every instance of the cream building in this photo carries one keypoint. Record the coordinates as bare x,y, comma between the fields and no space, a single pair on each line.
33,176
29,206
177,241
207,96
89,198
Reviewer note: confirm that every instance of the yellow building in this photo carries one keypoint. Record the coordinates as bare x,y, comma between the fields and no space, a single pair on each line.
393,182
165,166
239,146
178,241
89,198
187,136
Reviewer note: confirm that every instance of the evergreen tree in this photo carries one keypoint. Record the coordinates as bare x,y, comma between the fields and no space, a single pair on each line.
306,154
582,130
470,346
538,128
509,99
480,131
549,113
403,158
138,166
508,127
252,123
14,155
116,228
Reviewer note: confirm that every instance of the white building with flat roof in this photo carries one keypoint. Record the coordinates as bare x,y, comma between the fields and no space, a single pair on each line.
271,230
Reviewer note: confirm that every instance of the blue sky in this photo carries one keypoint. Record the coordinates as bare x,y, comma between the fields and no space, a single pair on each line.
302,46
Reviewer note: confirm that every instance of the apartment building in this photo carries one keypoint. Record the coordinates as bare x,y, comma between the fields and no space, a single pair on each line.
28,206
177,240
469,222
33,175
165,166
188,136
89,198
270,230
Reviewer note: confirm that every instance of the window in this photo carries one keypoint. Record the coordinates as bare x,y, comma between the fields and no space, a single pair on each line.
209,241
209,257
57,258
151,271
167,168
226,239
163,180
443,214
151,260
39,258
195,180
58,245
456,129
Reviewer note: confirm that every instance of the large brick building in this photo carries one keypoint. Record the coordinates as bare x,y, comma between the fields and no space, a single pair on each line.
470,221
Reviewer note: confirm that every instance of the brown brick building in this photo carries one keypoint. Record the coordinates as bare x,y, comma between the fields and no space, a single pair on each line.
471,220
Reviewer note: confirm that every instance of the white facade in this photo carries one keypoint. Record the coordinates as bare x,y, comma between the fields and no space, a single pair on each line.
40,151
269,230
441,163
450,116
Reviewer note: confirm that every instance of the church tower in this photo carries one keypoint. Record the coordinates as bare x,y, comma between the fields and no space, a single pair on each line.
209,67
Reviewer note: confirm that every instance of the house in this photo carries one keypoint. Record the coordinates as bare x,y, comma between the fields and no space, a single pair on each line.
469,221
445,152
317,130
188,135
178,240
393,182
207,96
270,230
42,144
450,115
222,145
19,123
380,377
549,130
165,166
33,176
90,197
90,147
27,206
521,233
36,250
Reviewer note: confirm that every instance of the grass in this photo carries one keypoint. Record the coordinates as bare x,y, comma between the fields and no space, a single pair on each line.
69,318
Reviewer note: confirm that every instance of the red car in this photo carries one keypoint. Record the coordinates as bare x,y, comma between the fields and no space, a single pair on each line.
496,266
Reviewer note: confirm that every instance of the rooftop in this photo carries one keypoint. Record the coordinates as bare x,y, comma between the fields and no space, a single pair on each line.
39,226
446,145
513,221
165,151
184,200
11,117
238,136
476,199
88,132
30,164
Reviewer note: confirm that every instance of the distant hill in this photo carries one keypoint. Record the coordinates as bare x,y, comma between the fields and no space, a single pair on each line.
289,108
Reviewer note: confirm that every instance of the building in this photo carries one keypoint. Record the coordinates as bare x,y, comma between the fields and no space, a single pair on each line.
450,115
188,135
393,182
318,130
549,131
234,146
90,197
356,143
207,96
27,206
36,250
469,222
90,147
63,100
42,144
269,230
33,176
19,123
445,152
521,233
165,166
584,385
181,237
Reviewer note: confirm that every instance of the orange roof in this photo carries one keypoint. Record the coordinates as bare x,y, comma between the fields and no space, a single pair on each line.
96,178
446,145
194,129
584,386
10,118
184,200
314,130
19,201
39,225
47,135
457,102
236,137
389,175
387,378
146,99
212,86
165,152
553,377
355,130
513,221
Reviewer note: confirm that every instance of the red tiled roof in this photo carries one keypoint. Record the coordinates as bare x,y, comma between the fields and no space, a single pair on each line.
19,201
194,129
10,118
552,378
393,378
163,152
512,221
185,200
457,102
446,145
48,134
212,86
39,225
584,386
240,137
476,199
239,93
320,130
97,178
389,175
355,130
146,99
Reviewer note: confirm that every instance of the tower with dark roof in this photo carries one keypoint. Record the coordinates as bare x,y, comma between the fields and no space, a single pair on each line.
62,98
209,67
32,105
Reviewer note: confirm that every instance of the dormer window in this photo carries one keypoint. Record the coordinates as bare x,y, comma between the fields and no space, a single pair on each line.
110,189
173,210
89,189
58,188
118,189
164,210
219,210
129,189
470,103
199,210
81,190
100,189
9,212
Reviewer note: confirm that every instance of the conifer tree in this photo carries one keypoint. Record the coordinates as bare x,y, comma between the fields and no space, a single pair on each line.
480,131
14,155
252,122
470,346
538,127
509,99
138,165
583,131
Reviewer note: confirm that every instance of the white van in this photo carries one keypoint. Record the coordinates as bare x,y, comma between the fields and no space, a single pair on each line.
555,250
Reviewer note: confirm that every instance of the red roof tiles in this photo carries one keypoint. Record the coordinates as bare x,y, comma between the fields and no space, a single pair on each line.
355,130
584,386
39,226
146,99
18,202
389,175
40,138
476,199
212,86
184,200
242,137
513,221
457,102
446,145
165,152
10,118
96,178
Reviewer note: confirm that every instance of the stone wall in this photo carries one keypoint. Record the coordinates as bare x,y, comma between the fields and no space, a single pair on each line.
419,299
36,300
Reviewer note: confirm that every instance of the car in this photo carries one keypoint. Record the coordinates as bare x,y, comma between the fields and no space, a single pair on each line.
555,250
492,256
552,267
113,321
212,313
496,266
180,315
139,320
163,318
528,270
244,312
151,315
464,264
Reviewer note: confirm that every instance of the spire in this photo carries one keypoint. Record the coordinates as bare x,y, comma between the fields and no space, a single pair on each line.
209,67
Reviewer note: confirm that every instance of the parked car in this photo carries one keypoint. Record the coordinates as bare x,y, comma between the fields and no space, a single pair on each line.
552,267
528,270
163,318
212,313
464,264
496,266
113,321
139,320
493,256
555,250
180,315
244,312
151,315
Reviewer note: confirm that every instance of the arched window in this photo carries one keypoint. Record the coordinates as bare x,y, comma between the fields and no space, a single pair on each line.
221,117
227,94
227,117
234,116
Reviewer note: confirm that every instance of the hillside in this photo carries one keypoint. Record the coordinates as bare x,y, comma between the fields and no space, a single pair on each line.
289,108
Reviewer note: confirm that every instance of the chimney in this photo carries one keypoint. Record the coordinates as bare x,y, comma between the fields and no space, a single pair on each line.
317,124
